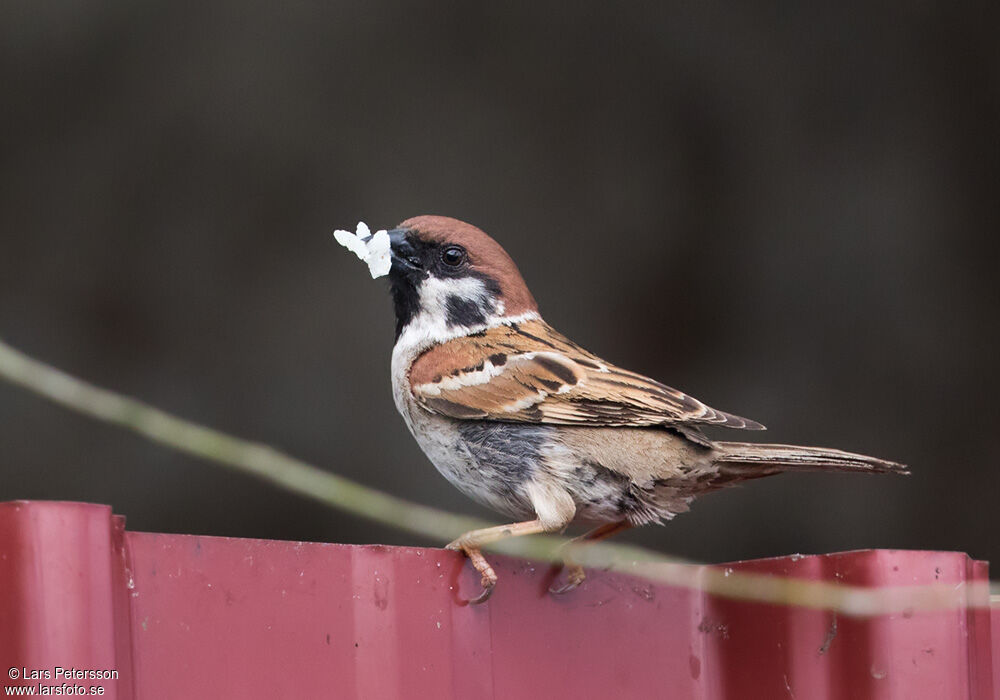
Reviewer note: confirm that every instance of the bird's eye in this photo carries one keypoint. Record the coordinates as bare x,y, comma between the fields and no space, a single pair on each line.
453,256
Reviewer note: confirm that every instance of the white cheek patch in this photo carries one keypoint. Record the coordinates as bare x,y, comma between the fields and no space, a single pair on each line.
434,292
430,324
432,319
373,250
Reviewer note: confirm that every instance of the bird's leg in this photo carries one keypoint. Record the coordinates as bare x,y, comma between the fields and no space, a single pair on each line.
575,573
472,541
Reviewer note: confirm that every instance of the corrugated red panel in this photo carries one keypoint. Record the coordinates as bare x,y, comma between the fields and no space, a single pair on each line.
180,616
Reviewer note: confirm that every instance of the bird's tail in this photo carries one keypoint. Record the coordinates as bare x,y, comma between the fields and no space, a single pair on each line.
746,460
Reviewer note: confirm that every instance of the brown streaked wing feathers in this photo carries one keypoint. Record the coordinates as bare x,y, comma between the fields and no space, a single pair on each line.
536,375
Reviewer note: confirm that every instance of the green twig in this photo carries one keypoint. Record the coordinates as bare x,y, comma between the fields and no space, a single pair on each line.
256,459
305,479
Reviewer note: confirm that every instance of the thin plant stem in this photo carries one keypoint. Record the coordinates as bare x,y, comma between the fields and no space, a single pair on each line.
299,477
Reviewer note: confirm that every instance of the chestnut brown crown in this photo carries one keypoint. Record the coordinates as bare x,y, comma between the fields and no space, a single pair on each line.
486,257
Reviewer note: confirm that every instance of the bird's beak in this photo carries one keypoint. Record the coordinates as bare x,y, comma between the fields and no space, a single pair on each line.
403,253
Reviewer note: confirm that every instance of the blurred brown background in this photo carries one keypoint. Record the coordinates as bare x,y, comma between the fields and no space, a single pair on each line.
788,210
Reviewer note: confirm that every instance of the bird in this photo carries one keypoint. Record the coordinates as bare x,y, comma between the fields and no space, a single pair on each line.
528,423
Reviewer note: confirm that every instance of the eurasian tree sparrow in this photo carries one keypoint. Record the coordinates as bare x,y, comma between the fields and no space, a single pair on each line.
528,423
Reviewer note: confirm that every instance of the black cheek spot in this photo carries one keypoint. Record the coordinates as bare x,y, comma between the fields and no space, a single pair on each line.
462,312
498,359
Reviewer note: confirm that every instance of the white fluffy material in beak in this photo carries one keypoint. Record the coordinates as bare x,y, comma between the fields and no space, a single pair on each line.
373,250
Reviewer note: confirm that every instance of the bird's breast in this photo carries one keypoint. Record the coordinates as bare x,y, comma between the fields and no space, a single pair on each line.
485,469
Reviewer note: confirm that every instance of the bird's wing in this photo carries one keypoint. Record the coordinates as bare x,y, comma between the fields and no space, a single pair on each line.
530,373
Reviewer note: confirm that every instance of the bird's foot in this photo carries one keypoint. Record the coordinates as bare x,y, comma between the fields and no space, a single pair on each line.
574,577
488,576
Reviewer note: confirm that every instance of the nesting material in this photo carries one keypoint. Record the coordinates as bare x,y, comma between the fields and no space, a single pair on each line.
373,250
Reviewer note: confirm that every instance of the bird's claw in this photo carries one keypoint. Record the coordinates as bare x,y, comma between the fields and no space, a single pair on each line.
487,592
574,578
489,576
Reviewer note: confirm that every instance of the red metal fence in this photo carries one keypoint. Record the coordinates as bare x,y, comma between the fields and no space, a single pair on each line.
180,616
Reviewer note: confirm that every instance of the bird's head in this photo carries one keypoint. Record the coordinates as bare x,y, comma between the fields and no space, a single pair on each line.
449,278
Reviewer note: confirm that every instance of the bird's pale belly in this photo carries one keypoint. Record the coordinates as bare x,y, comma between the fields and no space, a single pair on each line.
493,462
495,483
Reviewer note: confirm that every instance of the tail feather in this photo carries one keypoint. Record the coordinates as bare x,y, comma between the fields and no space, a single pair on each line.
749,459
